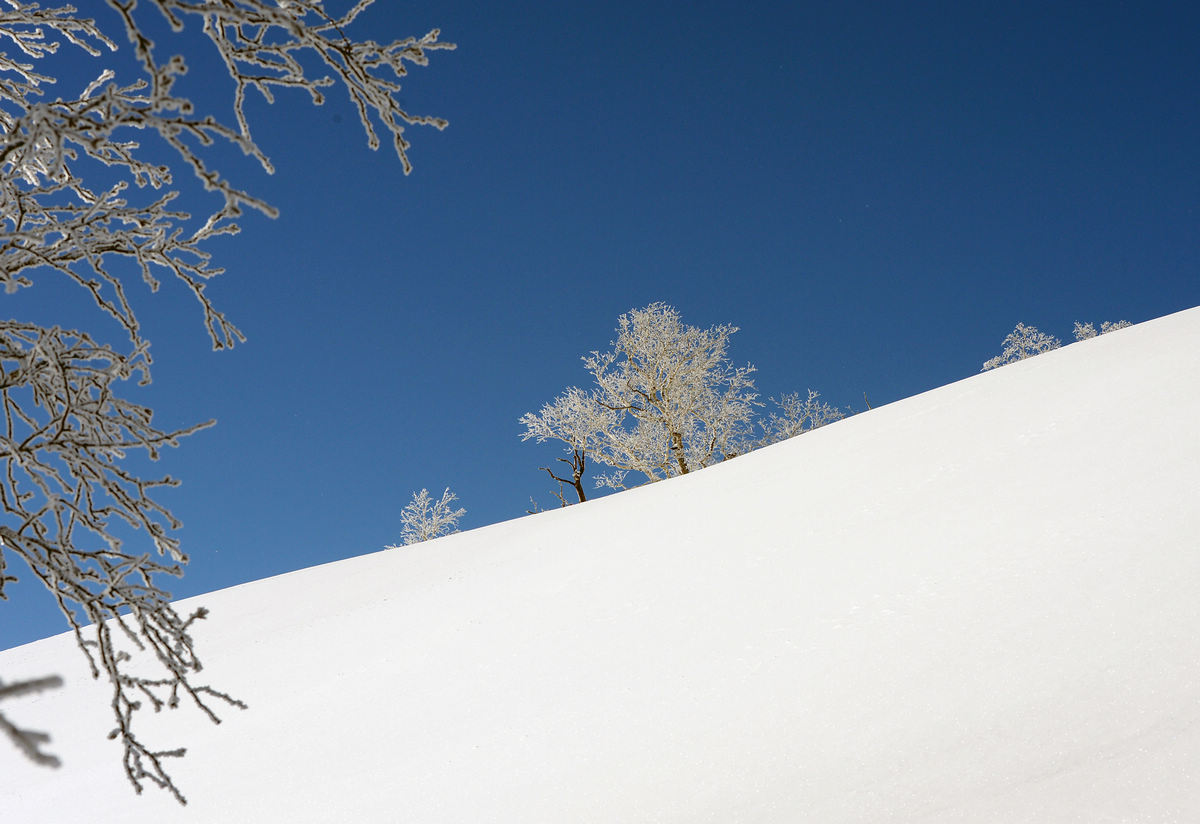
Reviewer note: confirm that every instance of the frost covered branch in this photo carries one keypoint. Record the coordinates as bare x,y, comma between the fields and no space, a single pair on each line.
1027,342
666,401
424,519
85,195
66,495
1021,343
1085,331
54,220
798,415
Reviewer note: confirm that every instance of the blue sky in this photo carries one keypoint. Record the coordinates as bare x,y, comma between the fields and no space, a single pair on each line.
875,193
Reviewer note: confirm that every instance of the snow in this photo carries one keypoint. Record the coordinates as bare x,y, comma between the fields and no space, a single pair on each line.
979,604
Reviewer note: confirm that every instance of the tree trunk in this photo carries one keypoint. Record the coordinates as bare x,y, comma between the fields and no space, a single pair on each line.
677,446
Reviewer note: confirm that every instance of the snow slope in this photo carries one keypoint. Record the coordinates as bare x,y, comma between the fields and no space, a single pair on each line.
980,604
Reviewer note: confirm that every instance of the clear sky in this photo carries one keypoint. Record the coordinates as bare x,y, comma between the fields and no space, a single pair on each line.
875,193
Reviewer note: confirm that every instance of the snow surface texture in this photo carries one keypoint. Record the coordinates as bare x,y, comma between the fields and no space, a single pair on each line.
980,604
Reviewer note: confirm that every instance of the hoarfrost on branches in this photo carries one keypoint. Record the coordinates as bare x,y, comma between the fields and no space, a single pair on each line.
55,221
1021,343
424,519
66,495
580,421
83,197
1085,331
1026,341
798,415
682,403
666,401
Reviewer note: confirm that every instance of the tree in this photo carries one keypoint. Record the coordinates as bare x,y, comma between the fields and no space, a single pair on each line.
797,416
424,519
1021,343
580,421
1084,331
667,400
81,199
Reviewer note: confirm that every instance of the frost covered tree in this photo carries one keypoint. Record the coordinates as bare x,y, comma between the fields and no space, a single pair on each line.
797,415
581,423
666,401
1021,343
88,195
1084,331
424,519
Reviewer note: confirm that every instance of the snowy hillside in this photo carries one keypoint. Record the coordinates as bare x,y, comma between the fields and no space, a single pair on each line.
980,604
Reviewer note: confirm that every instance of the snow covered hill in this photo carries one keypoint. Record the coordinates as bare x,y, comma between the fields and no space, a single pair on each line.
980,604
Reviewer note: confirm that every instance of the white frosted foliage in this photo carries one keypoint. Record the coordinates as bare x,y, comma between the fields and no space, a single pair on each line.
797,415
424,518
1085,331
666,400
1021,343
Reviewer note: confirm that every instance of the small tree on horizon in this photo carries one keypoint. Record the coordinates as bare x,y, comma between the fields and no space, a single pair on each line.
1086,331
424,519
1021,343
1027,342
